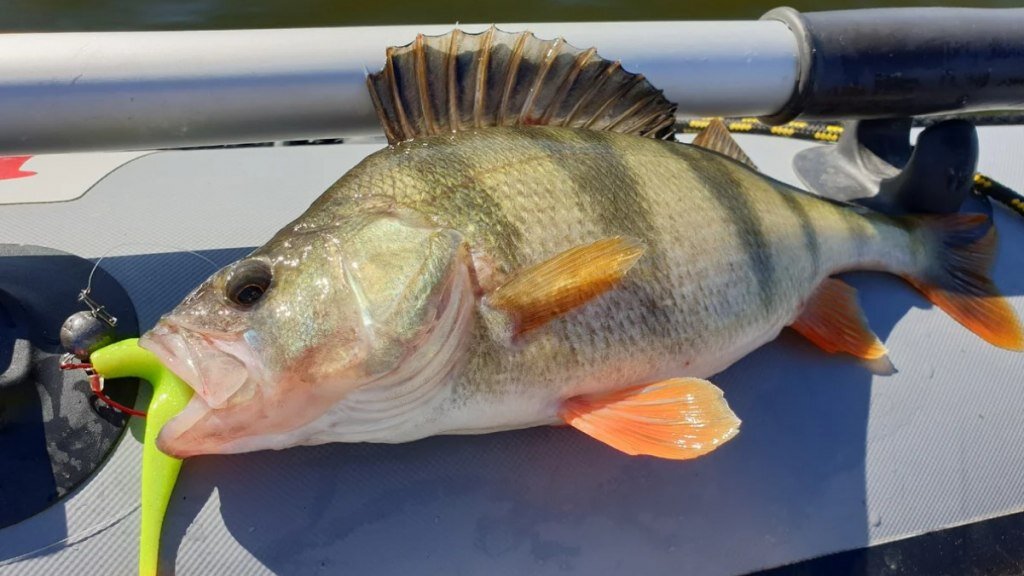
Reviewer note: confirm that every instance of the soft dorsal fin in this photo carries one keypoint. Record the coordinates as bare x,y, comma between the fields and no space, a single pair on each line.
459,81
716,137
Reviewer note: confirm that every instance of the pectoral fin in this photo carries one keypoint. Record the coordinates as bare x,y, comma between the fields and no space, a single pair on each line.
547,290
678,419
834,321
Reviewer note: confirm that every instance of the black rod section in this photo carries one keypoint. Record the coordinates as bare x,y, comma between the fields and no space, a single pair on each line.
898,62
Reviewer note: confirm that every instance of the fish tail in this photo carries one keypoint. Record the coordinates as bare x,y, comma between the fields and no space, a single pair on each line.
958,252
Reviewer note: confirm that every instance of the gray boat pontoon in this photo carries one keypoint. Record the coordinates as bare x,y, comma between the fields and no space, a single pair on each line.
113,145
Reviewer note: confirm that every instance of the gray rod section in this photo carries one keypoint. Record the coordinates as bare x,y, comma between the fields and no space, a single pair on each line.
140,90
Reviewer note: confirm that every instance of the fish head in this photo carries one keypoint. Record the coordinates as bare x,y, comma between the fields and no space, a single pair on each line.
271,342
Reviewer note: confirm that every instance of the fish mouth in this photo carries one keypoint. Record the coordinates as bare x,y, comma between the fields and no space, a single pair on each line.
173,352
213,366
208,366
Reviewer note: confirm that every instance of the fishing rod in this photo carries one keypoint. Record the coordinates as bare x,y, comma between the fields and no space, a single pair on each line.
63,92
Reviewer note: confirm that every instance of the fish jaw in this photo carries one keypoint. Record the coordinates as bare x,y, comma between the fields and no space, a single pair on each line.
223,371
216,367
239,405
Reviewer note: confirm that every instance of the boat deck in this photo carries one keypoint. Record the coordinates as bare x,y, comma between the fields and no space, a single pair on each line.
830,457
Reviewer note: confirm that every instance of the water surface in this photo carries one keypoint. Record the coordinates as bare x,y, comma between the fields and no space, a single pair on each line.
72,15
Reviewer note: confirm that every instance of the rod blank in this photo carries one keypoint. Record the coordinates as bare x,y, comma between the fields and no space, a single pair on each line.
141,90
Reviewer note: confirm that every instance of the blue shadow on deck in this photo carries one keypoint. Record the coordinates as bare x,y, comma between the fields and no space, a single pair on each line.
550,500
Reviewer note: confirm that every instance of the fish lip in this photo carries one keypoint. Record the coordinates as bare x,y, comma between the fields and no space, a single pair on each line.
169,437
179,350
159,341
167,341
173,343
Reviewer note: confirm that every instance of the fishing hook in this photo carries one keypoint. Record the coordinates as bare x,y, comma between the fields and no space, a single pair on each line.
96,382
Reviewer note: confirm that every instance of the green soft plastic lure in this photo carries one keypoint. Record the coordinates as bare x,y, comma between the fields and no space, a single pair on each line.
159,471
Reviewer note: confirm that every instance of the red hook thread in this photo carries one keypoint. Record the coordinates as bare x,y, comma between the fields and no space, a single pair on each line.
96,385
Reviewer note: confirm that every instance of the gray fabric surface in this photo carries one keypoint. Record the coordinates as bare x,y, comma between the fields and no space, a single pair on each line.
831,457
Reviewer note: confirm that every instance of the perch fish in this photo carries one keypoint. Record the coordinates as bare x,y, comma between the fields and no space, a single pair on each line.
533,248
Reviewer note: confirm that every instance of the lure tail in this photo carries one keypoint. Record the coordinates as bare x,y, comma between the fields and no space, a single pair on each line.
959,252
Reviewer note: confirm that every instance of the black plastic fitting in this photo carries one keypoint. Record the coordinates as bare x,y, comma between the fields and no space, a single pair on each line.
902,62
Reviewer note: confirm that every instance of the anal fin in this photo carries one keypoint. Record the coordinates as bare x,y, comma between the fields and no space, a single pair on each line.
678,419
834,321
716,137
536,295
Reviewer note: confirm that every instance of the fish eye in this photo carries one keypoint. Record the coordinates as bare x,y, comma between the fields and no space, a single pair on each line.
248,281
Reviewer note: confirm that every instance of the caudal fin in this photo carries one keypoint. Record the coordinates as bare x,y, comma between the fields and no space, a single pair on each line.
956,278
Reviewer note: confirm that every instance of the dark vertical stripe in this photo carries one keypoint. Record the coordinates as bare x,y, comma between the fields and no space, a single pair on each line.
859,234
450,165
811,246
605,186
718,176
608,191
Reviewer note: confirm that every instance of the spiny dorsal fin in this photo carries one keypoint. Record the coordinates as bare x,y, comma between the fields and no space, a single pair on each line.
459,81
716,137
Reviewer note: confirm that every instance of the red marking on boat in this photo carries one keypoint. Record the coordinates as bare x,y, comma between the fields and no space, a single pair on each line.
10,167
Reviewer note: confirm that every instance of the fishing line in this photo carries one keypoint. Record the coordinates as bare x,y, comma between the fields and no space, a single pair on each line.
88,285
72,539
96,383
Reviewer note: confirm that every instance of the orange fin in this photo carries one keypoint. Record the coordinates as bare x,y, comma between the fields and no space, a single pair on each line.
544,291
716,137
834,321
678,419
958,278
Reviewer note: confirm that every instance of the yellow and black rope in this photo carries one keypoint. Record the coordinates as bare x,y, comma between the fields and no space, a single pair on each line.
824,132
1005,195
819,131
